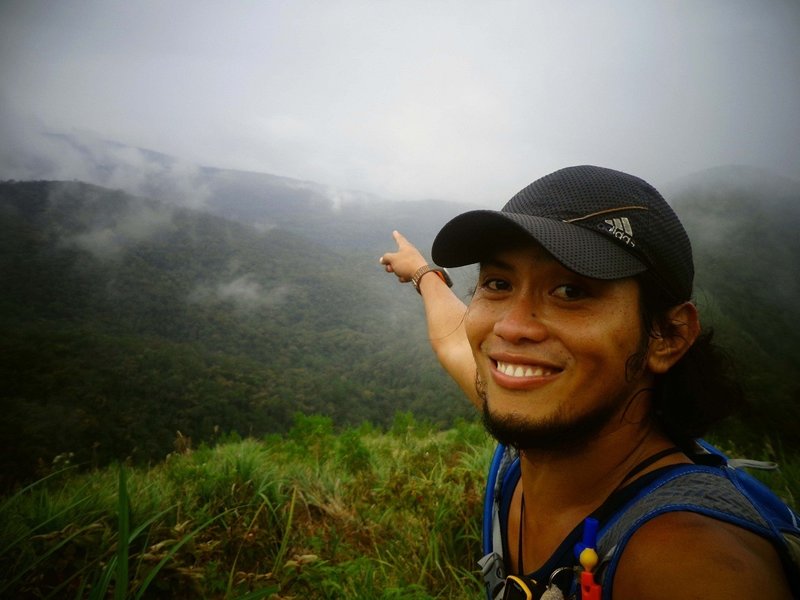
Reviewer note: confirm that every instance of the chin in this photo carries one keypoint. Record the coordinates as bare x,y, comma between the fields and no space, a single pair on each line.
555,433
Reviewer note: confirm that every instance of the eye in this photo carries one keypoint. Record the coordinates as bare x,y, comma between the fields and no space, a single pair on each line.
494,284
570,291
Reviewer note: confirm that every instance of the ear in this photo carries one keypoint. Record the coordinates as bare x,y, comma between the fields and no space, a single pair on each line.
671,342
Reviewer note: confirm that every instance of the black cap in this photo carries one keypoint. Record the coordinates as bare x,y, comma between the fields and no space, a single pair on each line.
598,222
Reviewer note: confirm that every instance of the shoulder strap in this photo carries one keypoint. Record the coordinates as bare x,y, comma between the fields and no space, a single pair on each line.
491,564
712,487
501,460
701,489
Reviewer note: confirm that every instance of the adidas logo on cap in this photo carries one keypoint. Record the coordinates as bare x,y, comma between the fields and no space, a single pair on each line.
621,229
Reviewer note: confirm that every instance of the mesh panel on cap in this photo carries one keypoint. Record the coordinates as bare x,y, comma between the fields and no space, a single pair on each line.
578,192
589,199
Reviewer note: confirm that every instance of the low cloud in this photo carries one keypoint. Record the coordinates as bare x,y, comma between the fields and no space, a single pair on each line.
136,226
244,292
104,227
344,198
264,226
28,152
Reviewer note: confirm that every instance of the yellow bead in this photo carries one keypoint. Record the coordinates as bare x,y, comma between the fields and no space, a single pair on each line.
588,559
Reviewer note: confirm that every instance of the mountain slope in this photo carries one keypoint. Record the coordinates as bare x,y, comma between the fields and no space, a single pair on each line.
125,320
743,223
337,218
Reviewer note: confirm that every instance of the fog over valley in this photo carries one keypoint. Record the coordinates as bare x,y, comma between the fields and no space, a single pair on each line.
194,197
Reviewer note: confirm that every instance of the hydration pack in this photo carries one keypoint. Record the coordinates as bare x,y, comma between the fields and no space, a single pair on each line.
713,486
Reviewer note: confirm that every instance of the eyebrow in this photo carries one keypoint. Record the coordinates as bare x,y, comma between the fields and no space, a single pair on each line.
496,263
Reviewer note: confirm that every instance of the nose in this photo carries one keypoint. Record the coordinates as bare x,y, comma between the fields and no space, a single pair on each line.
519,322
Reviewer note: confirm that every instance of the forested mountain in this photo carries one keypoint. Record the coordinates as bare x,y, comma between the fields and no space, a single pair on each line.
337,218
226,302
126,320
744,225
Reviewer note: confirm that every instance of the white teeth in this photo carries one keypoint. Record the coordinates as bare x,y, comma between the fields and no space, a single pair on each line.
521,370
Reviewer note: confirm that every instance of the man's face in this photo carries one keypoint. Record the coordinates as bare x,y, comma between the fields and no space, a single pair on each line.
552,349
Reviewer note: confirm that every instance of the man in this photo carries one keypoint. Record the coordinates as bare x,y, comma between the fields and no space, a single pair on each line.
583,351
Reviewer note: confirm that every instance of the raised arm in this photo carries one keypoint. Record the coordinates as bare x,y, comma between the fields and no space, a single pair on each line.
444,313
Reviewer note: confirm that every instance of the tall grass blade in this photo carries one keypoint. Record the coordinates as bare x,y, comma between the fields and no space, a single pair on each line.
41,559
258,594
285,540
43,524
36,483
239,550
100,588
123,541
58,591
186,539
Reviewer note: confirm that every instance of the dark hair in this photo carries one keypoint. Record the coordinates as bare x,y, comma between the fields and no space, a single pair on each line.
700,389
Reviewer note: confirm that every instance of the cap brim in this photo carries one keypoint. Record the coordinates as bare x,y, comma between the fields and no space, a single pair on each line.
477,235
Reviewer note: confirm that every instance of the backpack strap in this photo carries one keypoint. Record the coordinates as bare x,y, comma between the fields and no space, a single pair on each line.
492,566
711,487
694,488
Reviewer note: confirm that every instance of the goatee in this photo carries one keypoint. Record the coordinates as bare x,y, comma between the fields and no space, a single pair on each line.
555,434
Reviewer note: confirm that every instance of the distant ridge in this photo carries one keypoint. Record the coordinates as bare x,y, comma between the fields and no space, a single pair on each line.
125,319
204,300
344,219
737,179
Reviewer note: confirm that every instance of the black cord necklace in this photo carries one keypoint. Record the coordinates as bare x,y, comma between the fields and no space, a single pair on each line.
638,468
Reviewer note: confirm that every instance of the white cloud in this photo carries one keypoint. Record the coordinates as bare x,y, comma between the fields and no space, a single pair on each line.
468,100
244,292
107,241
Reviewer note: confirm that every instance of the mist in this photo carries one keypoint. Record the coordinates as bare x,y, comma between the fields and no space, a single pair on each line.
412,100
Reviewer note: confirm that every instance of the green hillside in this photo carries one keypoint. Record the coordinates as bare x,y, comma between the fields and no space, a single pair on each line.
125,320
743,223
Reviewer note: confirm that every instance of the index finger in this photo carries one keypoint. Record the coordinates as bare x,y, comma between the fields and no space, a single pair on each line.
400,239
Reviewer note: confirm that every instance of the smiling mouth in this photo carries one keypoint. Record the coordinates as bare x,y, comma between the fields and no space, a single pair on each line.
515,370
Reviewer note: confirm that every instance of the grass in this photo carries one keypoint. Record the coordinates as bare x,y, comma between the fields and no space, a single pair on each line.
357,514
314,514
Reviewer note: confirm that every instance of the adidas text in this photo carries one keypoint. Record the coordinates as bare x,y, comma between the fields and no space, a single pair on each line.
621,229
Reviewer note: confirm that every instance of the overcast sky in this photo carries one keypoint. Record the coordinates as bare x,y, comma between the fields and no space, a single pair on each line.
455,100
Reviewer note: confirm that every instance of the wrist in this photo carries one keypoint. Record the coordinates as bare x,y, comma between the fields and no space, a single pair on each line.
426,269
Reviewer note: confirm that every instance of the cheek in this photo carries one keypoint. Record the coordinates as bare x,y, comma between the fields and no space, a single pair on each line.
606,341
626,341
478,322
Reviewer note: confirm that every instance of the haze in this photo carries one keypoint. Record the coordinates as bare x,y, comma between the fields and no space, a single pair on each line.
465,101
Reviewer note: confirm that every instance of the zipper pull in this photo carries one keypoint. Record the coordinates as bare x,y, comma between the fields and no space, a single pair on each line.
587,555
